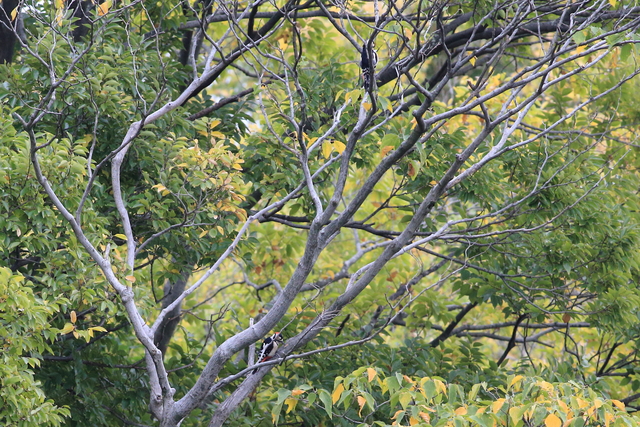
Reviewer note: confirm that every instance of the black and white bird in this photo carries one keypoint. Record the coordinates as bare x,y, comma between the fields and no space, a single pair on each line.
367,65
269,348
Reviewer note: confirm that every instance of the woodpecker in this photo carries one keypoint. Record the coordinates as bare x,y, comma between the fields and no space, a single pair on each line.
269,348
367,65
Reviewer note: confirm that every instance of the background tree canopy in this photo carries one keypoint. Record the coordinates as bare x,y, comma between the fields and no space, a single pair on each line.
456,245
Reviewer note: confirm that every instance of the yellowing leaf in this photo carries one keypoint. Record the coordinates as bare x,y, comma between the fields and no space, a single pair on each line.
565,409
120,236
371,373
515,380
326,150
495,406
59,4
361,403
131,279
14,13
397,413
68,327
582,403
545,385
461,411
98,328
310,141
385,150
366,106
73,316
352,94
413,421
103,8
339,146
337,393
618,404
613,3
291,404
425,417
440,386
552,420
608,418
405,399
472,60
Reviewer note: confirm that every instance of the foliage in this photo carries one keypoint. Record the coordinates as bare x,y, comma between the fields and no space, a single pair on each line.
457,245
26,335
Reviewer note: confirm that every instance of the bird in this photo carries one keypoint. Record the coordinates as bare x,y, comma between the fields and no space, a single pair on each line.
269,348
367,64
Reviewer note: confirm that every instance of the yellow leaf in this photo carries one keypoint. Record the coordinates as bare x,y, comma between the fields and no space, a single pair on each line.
461,411
14,13
310,141
131,279
385,150
613,3
68,327
59,4
59,16
214,123
545,386
552,420
608,418
413,421
76,335
472,60
515,380
352,94
326,150
291,403
98,328
618,404
120,236
297,392
396,414
495,406
103,8
565,409
582,403
366,106
440,386
337,393
361,402
425,417
73,316
339,146
371,373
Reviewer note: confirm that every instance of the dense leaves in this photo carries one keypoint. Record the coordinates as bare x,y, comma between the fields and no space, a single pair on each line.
457,245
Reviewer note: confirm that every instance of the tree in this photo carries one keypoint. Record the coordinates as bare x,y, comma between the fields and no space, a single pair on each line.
173,170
